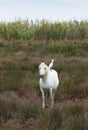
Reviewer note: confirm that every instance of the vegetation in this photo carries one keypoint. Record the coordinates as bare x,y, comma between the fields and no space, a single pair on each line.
23,46
43,30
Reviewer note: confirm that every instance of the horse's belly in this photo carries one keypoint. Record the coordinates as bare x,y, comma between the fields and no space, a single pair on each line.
48,85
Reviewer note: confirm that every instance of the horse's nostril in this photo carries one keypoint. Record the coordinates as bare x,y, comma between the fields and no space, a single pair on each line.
42,76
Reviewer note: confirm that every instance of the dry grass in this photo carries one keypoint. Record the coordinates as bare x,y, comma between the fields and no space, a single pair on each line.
20,97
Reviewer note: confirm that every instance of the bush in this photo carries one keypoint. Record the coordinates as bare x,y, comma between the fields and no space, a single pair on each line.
43,30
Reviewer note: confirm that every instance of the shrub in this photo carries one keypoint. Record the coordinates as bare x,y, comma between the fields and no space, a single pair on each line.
43,30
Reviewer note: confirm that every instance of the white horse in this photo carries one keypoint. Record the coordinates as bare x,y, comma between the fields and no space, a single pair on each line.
48,80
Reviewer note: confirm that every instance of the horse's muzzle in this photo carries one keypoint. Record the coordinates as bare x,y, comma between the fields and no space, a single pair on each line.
41,76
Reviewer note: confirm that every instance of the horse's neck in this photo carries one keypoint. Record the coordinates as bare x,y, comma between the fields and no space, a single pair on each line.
46,75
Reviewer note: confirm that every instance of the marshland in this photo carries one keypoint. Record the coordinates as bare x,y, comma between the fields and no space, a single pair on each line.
23,46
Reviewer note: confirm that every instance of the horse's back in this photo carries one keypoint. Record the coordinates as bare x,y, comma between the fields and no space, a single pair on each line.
53,78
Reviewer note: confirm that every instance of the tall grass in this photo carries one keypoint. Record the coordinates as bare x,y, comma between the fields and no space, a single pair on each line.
20,114
43,30
20,101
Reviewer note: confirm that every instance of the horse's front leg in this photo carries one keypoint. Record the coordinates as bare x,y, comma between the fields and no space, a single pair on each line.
52,97
43,98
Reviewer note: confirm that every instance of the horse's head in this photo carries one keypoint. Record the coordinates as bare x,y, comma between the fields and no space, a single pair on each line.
42,70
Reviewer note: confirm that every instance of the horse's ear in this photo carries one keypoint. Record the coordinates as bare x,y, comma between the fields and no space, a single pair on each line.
40,62
45,62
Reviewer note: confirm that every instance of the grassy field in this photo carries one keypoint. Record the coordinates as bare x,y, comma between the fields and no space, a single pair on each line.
20,97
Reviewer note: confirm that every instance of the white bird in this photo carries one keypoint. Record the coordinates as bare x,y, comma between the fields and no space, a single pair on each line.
51,64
